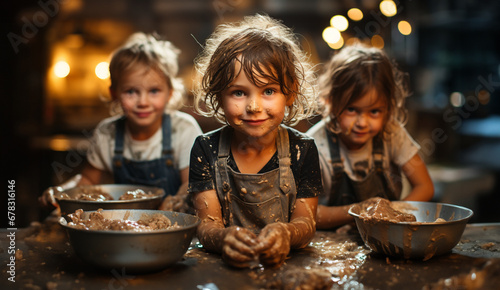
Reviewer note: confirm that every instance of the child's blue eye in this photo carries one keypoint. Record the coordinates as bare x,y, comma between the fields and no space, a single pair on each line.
130,91
268,92
155,91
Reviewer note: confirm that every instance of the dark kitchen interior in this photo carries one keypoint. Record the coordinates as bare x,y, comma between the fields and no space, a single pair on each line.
452,55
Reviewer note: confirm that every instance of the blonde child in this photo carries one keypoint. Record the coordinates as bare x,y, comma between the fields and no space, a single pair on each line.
149,140
254,181
363,145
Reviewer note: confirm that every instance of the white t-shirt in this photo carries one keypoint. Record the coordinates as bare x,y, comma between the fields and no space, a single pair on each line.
399,148
185,129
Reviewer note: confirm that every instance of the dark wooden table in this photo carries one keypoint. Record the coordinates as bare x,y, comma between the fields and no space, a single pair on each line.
45,260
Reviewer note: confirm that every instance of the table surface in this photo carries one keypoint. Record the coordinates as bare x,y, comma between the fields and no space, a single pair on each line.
47,261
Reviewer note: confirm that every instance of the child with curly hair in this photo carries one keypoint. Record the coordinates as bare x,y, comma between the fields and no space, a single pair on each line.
255,181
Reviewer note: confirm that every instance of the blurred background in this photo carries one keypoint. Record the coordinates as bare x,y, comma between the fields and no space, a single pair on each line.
54,78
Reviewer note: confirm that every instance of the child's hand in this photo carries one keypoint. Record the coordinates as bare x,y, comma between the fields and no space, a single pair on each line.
239,247
47,199
274,244
176,203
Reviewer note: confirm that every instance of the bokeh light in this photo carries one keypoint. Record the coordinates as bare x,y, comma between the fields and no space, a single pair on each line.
355,14
484,97
102,70
457,99
377,41
338,44
388,8
404,27
61,69
339,22
59,144
331,35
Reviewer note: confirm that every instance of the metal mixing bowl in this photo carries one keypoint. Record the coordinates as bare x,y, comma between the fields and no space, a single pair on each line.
422,239
68,206
137,252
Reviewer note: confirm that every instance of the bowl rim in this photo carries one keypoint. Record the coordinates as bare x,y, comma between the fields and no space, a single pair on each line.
470,213
64,223
137,186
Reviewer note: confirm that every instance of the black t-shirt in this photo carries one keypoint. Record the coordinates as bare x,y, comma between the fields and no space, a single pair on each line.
304,163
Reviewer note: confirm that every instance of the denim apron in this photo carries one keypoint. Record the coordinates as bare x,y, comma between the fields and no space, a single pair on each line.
255,200
157,172
346,191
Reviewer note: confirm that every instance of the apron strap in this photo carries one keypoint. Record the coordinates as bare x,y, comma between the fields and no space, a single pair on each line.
120,136
222,178
119,141
287,180
167,151
283,146
378,153
338,166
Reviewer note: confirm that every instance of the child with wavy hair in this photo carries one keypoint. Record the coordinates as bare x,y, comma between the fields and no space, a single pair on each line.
148,140
363,145
255,181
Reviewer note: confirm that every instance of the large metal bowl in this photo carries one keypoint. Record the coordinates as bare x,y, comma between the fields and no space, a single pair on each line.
68,206
136,252
422,239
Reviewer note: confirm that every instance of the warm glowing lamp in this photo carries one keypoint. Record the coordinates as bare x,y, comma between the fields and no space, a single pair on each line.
339,22
338,44
404,27
61,69
355,14
331,35
102,71
388,8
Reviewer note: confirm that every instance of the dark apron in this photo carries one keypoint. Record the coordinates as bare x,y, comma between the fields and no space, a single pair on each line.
255,200
157,172
346,191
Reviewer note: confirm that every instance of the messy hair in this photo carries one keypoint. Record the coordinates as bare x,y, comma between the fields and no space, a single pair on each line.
148,50
266,49
353,72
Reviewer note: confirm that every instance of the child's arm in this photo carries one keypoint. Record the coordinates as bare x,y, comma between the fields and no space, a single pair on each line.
184,181
333,216
92,175
89,176
302,224
236,244
418,176
277,239
180,199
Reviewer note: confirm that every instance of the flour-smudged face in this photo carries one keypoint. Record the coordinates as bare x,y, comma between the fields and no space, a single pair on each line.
253,110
